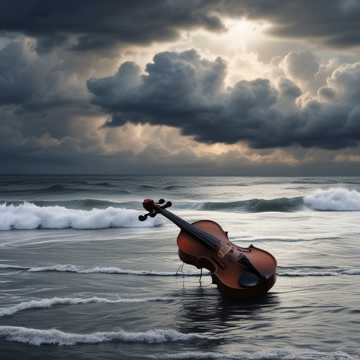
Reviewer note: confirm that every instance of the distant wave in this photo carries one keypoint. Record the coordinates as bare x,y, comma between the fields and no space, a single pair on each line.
315,181
28,216
147,187
55,301
334,199
252,205
104,183
284,354
39,180
326,181
65,189
94,270
174,187
55,188
57,337
257,205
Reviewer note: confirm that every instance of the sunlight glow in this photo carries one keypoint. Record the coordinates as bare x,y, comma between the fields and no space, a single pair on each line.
243,33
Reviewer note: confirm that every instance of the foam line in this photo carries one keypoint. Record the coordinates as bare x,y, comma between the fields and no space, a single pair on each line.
94,270
57,337
271,354
288,271
303,271
50,302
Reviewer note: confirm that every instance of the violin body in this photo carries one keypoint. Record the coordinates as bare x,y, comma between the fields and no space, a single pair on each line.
225,268
238,272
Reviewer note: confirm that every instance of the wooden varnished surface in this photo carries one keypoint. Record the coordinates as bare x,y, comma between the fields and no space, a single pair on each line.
224,263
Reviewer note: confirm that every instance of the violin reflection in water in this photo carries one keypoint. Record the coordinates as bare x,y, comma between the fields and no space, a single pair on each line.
237,271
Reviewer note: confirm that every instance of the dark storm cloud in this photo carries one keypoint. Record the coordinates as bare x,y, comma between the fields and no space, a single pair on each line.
41,102
334,22
89,25
186,91
101,24
34,82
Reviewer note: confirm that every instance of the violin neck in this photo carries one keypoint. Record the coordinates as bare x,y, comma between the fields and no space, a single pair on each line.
204,237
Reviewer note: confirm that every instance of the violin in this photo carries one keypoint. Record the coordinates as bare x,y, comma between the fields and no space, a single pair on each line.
239,272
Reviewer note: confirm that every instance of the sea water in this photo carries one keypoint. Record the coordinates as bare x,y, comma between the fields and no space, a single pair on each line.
81,277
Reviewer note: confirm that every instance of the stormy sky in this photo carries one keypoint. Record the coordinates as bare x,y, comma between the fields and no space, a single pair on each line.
231,87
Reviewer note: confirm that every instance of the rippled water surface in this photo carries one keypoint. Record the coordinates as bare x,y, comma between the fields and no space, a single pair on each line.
81,278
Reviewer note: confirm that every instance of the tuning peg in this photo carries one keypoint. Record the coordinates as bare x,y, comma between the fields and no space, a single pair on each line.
153,208
143,217
168,204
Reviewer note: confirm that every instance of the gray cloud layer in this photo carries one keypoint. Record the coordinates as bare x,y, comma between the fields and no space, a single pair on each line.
35,82
102,24
335,22
188,92
48,123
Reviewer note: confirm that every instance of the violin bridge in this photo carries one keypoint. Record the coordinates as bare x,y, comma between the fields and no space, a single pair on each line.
224,249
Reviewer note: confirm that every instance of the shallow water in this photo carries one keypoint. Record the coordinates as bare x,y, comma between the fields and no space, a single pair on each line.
80,277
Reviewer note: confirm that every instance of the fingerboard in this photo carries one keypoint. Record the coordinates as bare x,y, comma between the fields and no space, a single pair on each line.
204,237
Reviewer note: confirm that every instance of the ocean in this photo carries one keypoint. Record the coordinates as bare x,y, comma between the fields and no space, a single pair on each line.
82,278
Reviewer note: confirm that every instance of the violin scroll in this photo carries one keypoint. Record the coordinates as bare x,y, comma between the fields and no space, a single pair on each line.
153,208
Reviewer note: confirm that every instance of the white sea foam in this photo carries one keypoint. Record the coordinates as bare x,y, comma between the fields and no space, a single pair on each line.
57,337
295,271
285,354
334,199
28,216
95,270
48,303
317,271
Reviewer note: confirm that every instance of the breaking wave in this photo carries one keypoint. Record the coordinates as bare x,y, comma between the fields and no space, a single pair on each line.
335,199
28,216
55,301
101,214
57,337
69,268
83,204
